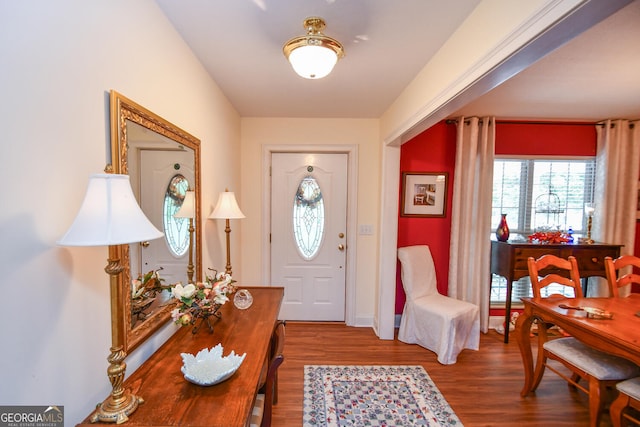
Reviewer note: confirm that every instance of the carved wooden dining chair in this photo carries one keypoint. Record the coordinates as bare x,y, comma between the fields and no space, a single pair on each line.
268,390
598,369
561,272
628,397
616,278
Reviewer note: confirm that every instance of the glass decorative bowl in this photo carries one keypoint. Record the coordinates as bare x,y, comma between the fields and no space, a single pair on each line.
209,367
243,299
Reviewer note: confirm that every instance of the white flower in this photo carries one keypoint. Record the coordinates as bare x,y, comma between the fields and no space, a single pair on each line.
220,299
223,277
136,288
180,291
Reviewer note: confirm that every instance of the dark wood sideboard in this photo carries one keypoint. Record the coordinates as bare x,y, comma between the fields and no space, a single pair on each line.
170,400
509,260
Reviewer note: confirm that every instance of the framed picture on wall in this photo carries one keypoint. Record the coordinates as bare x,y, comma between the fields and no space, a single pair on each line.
424,194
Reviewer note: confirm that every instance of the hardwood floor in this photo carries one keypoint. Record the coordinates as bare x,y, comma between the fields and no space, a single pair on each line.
483,387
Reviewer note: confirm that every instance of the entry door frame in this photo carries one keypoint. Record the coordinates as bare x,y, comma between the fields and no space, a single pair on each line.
352,199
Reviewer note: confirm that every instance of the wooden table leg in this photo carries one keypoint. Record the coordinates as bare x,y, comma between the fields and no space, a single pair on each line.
523,337
507,312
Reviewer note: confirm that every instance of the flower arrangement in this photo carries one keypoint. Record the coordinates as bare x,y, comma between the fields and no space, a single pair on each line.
144,290
548,237
201,300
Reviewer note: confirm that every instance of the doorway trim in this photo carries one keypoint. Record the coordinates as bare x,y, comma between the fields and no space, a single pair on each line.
352,198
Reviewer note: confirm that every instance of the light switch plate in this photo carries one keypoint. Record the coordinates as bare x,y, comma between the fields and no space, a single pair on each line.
366,229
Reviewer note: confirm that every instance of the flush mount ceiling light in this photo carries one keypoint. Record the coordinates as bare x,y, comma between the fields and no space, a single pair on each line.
313,55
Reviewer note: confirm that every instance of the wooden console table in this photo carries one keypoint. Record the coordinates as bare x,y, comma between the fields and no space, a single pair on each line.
170,400
509,260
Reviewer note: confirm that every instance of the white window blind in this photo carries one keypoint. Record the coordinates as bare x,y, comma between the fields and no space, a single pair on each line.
542,193
538,194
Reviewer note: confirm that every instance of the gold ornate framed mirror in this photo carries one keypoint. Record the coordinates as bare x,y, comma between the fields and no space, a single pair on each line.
163,162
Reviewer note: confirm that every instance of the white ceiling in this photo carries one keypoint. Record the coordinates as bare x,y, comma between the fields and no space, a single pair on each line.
387,43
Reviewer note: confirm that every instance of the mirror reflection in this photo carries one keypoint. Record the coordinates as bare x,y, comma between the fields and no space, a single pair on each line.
176,229
163,164
163,171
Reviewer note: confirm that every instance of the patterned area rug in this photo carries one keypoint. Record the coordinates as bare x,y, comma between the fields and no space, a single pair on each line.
389,396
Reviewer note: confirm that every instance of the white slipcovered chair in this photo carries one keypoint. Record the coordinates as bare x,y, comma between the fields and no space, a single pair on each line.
439,323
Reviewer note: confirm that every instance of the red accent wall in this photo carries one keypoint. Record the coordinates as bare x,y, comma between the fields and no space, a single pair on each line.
434,151
562,139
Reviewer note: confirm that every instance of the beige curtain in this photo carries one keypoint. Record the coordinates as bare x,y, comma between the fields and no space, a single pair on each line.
616,189
471,214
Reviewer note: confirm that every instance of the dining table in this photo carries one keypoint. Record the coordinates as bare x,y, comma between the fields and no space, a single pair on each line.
618,335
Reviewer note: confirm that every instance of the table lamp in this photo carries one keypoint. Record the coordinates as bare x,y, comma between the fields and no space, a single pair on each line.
227,208
110,215
188,210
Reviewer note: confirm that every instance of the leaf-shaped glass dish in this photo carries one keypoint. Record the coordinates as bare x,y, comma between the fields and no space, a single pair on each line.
209,367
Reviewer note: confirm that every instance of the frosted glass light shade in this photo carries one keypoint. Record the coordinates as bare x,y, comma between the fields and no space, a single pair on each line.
313,55
313,62
227,207
188,208
109,215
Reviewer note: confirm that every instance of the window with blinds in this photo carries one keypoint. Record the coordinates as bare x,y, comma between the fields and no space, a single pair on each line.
539,194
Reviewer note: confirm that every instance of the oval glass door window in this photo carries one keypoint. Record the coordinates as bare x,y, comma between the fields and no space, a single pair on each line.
308,217
176,230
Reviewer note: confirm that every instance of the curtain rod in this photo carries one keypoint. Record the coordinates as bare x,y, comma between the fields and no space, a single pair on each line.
522,122
631,124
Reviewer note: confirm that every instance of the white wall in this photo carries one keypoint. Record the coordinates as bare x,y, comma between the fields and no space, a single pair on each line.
363,133
59,61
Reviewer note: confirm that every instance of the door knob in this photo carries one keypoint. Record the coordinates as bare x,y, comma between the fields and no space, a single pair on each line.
144,244
341,247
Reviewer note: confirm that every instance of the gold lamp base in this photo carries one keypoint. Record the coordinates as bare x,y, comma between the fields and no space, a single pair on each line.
120,404
588,240
111,411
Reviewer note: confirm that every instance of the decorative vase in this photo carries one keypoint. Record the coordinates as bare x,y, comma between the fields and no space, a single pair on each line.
205,315
502,232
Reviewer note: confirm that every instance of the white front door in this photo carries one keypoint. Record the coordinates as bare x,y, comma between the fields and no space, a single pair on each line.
158,167
308,234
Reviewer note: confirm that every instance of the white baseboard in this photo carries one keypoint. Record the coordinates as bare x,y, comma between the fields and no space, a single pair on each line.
364,322
495,321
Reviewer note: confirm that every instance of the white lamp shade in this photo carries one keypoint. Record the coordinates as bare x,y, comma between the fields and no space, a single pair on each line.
227,207
109,215
188,207
313,62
